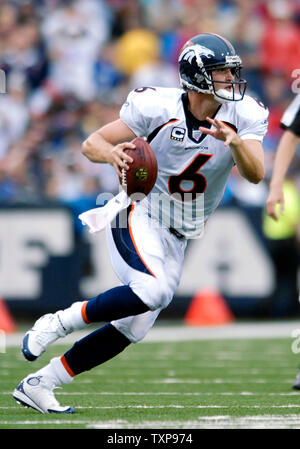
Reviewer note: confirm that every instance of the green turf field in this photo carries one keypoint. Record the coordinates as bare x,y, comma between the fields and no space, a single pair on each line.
232,384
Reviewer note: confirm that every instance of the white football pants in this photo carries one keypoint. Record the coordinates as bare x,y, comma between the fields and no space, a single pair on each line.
149,259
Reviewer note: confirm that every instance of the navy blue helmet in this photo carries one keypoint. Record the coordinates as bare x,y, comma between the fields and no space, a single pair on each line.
200,56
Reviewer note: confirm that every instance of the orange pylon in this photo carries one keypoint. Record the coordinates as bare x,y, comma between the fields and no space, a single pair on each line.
208,308
7,323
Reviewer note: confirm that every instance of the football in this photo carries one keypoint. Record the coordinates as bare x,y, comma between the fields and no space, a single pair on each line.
142,173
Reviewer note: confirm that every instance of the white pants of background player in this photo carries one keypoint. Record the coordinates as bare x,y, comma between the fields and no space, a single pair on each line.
158,255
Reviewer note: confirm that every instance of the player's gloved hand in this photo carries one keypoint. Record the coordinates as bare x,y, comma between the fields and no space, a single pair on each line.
118,157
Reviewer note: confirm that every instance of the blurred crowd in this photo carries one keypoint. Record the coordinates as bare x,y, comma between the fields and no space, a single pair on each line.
70,64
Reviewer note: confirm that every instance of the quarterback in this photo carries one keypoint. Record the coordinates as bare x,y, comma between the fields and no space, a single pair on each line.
198,134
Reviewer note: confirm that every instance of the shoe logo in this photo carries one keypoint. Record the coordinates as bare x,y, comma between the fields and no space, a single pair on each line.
34,381
60,322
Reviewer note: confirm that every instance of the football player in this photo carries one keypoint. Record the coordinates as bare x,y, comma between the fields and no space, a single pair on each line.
286,150
198,134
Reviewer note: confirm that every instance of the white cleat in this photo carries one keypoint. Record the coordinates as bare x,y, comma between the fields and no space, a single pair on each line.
37,392
45,331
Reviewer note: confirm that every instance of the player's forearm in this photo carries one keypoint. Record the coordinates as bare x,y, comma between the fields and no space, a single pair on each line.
284,155
96,148
248,164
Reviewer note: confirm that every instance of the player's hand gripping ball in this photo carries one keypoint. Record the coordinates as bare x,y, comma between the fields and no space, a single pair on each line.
142,173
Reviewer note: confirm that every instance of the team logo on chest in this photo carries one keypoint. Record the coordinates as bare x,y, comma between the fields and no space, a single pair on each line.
196,133
177,133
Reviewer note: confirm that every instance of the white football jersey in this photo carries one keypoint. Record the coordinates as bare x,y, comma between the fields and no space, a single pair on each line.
192,167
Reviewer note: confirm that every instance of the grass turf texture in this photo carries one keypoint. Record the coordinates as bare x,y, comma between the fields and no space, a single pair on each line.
242,383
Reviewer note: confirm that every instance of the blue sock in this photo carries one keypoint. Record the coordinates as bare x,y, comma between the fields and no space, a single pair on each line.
96,348
119,302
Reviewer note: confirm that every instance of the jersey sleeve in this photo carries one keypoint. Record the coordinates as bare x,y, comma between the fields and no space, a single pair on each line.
139,111
253,120
291,117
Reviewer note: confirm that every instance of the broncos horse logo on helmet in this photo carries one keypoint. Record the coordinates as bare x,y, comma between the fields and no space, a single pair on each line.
200,56
189,52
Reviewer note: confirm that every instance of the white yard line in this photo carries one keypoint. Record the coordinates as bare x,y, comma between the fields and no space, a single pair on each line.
291,421
210,422
177,406
41,423
215,422
164,393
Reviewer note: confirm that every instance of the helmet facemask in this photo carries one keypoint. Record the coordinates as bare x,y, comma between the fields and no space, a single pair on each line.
238,87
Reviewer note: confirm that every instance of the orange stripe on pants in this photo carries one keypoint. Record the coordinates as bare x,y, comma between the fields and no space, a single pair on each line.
66,366
83,313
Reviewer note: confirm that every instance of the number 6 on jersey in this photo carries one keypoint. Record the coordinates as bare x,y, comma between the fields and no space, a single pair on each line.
191,174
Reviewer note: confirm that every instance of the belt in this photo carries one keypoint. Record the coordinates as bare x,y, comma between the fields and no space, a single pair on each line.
176,233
